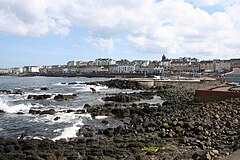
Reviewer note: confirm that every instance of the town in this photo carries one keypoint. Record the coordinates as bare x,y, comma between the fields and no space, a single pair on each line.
108,66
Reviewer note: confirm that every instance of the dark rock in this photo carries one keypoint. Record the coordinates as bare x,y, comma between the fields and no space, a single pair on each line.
9,148
56,118
104,121
109,132
61,97
70,110
20,112
44,89
72,83
93,90
15,91
39,97
50,111
48,156
33,111
5,92
80,111
122,84
1,149
120,112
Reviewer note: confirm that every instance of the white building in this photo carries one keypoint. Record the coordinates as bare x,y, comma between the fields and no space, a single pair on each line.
126,68
5,70
30,69
17,70
221,65
105,62
71,63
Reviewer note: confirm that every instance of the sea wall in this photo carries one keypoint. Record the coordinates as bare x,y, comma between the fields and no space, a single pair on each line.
202,95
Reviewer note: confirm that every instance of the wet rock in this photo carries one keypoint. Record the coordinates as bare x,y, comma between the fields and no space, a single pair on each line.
56,118
50,112
9,148
1,149
39,97
122,84
80,111
105,122
48,156
15,91
93,90
120,112
109,132
70,110
44,89
87,131
61,97
20,112
121,98
33,111
72,83
5,91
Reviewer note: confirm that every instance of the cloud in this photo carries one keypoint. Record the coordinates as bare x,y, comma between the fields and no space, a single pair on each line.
211,2
173,27
101,43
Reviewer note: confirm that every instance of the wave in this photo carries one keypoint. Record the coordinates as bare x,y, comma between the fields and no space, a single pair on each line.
69,132
9,108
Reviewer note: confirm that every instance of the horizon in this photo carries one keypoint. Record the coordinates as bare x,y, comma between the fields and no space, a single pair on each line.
38,33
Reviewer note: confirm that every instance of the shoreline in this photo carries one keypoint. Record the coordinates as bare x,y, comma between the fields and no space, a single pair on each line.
179,128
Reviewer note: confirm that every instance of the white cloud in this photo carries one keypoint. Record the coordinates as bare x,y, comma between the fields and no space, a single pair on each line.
174,27
212,2
101,43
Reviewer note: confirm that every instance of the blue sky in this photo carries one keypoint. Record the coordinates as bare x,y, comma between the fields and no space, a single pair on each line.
42,33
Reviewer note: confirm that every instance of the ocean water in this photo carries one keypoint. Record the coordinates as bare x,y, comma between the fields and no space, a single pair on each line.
44,126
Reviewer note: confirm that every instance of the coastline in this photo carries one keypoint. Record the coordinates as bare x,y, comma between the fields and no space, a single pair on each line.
179,128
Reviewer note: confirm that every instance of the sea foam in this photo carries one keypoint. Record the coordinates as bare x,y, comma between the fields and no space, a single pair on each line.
9,108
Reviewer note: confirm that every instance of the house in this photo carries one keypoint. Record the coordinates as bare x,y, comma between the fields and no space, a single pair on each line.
89,69
234,63
130,68
5,70
17,70
206,66
123,62
221,65
71,63
184,64
105,62
166,63
81,63
30,69
56,69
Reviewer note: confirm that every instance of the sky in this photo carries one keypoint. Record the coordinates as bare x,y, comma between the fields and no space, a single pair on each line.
48,32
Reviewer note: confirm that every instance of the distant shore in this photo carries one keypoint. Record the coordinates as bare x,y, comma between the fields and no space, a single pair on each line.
88,75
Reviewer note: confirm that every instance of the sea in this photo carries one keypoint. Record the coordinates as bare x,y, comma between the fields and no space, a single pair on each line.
13,124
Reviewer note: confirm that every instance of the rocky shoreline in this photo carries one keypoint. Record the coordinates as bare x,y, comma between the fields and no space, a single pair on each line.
179,128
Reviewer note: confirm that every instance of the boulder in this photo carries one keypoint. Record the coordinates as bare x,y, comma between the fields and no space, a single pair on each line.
50,112
15,91
39,97
44,89
61,97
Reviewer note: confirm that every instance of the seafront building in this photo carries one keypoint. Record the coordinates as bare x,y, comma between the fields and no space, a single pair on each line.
124,66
